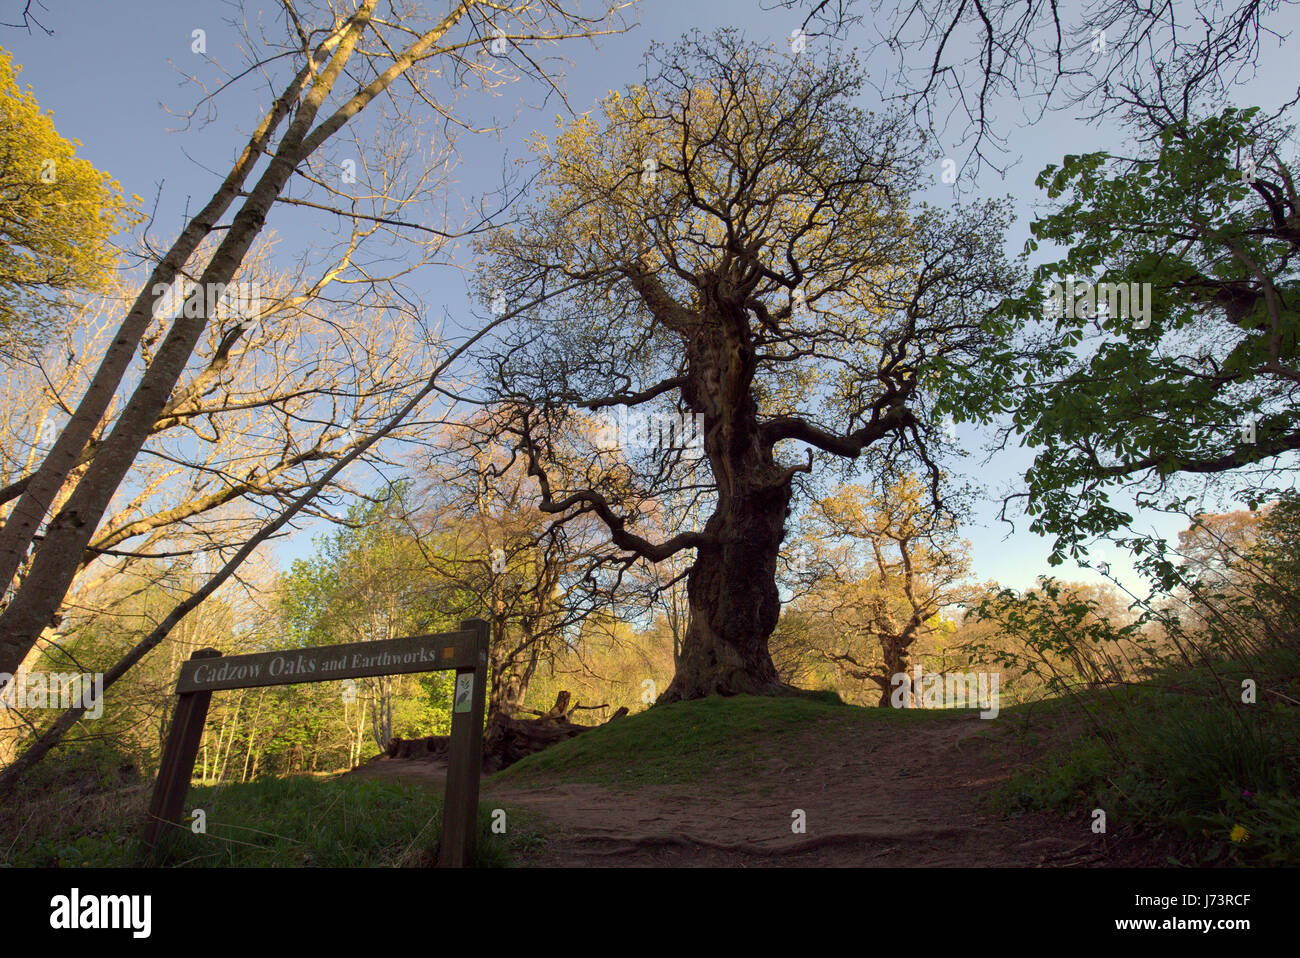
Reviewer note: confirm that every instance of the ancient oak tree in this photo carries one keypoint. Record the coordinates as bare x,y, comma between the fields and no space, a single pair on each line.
747,275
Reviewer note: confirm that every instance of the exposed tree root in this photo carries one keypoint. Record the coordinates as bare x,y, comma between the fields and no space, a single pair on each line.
748,848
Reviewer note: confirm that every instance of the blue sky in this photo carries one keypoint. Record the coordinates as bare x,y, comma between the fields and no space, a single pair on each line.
112,70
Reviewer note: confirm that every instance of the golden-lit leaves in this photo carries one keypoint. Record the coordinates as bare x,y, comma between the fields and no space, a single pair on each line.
57,212
685,178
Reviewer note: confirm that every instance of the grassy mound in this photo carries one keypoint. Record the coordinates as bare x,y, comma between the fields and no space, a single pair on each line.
690,741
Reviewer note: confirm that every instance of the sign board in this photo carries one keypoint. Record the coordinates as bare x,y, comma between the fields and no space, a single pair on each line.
207,671
421,653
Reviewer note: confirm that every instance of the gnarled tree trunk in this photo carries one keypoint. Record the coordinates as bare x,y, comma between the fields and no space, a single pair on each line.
732,591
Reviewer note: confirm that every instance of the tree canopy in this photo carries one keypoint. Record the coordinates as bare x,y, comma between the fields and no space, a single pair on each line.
1202,380
732,244
58,214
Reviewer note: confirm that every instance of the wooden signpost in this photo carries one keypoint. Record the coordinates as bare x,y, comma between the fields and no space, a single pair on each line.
207,671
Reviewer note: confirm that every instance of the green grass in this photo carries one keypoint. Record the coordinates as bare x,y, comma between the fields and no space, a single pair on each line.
708,738
273,823
1184,758
339,823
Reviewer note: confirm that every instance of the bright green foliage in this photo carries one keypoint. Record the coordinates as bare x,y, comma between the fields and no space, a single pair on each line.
1064,631
57,214
1107,399
370,582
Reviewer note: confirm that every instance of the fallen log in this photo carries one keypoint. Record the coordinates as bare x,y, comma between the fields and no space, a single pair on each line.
506,740
428,748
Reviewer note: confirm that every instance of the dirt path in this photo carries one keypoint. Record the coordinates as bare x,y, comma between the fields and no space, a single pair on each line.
898,795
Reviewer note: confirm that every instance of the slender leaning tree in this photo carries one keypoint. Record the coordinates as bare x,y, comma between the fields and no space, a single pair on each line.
327,64
742,251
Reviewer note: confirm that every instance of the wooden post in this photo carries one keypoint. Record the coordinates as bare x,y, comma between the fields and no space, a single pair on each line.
465,754
167,806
